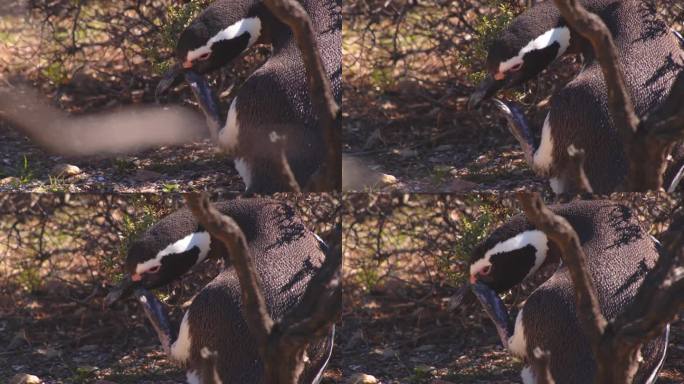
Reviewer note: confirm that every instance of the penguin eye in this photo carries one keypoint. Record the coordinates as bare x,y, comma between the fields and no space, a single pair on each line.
153,269
516,67
486,270
204,56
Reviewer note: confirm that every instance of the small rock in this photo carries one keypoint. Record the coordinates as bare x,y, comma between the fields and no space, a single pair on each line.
23,378
88,348
460,185
9,181
146,175
386,179
65,170
388,354
361,378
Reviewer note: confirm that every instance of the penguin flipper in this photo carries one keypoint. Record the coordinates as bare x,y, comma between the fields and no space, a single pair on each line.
519,127
158,316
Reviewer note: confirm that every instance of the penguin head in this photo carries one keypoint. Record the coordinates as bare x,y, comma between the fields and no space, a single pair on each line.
224,30
168,250
509,255
524,49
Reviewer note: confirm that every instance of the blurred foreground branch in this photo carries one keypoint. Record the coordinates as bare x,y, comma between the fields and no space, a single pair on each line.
282,345
329,178
617,343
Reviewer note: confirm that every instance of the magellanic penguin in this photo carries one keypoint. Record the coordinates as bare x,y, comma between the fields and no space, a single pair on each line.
619,255
274,102
651,58
286,256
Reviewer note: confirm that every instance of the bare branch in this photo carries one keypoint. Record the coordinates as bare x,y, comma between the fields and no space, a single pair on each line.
282,345
227,230
564,236
617,344
293,14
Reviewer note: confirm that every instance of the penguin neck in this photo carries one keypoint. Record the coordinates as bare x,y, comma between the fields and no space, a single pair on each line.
324,21
217,250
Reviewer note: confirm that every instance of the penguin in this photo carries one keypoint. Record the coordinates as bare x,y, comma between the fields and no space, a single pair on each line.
651,58
286,256
274,102
619,255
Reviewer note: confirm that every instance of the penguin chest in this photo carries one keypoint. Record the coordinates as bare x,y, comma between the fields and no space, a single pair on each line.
229,134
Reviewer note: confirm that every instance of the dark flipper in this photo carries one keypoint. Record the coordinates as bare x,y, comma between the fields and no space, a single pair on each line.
207,102
495,308
519,127
156,313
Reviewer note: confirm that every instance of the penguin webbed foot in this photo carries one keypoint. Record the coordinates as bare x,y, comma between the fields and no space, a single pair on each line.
495,309
207,101
519,127
158,317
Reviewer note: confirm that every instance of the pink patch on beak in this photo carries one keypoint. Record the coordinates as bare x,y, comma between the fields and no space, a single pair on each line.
473,279
187,64
499,76
136,277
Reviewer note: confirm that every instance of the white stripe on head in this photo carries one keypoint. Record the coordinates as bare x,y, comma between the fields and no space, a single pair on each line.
535,238
543,156
517,344
560,35
180,349
244,170
202,240
228,136
251,25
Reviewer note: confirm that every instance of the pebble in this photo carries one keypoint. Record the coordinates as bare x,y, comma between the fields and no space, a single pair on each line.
9,181
23,378
65,170
361,378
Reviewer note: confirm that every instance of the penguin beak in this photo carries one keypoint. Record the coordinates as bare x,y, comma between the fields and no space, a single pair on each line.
206,100
486,89
171,78
495,309
125,288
